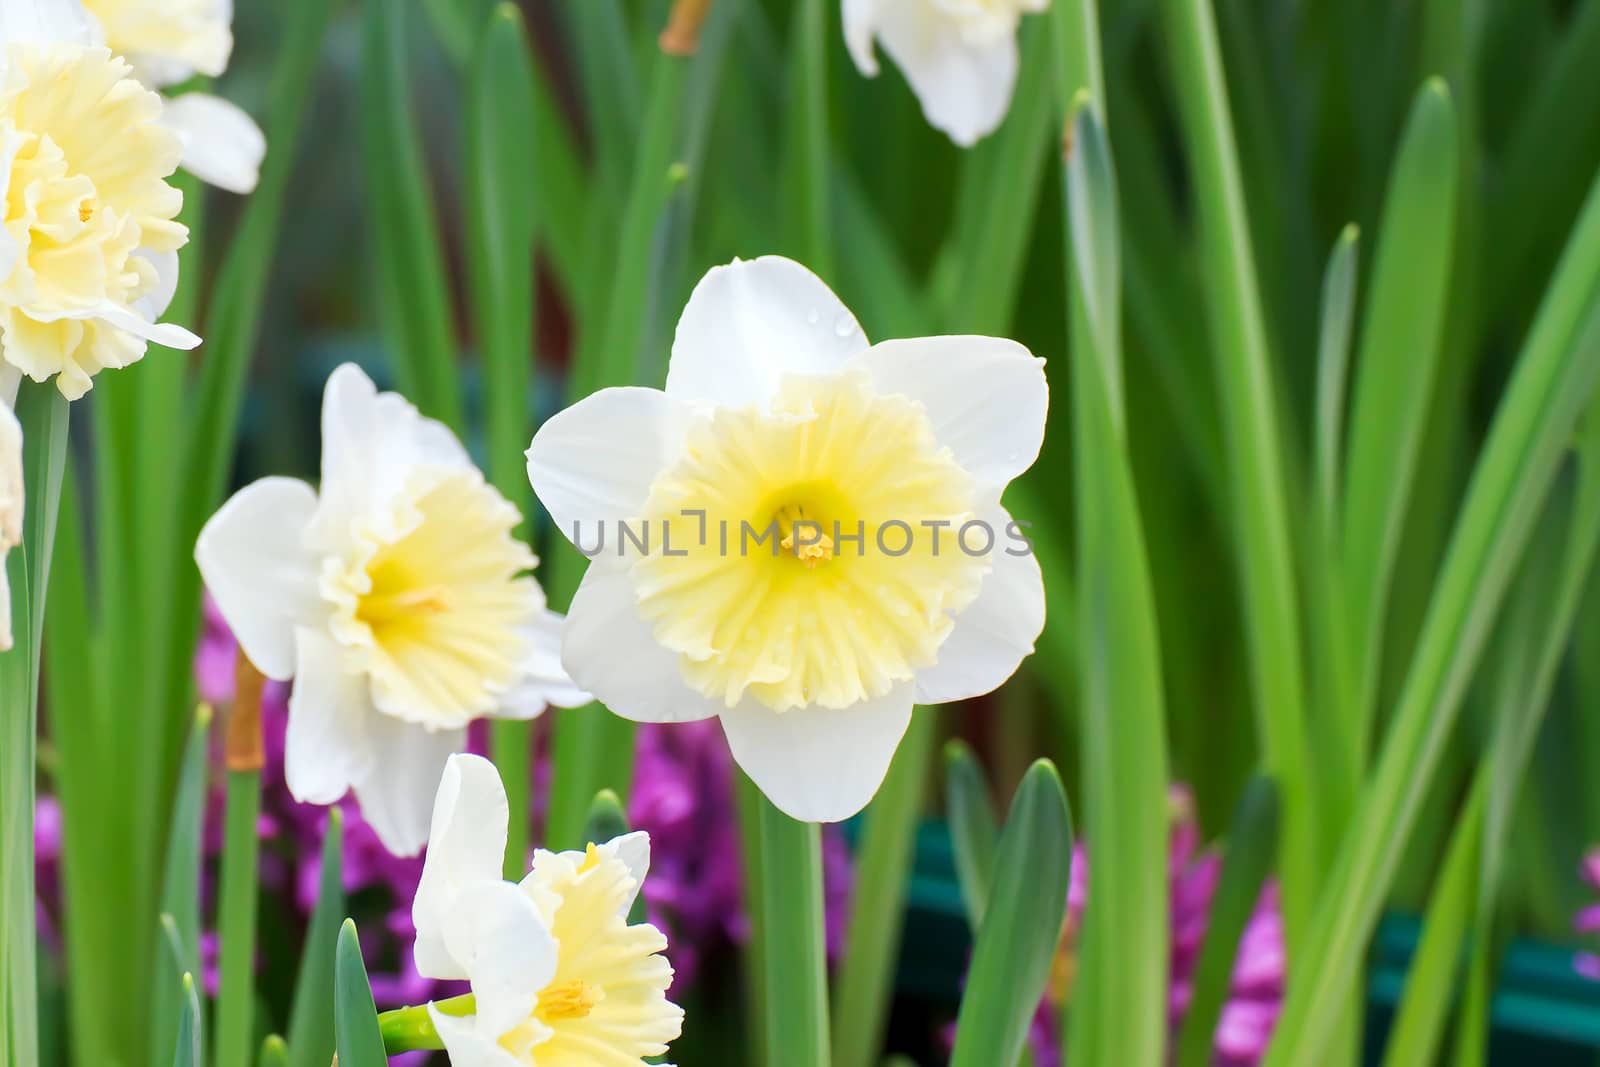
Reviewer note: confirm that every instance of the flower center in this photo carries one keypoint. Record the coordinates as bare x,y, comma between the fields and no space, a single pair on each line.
568,1000
433,602
803,535
384,606
813,552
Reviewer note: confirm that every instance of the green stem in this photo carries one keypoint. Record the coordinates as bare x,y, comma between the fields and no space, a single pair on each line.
1265,560
236,923
749,802
877,916
808,138
796,950
501,154
43,414
411,1029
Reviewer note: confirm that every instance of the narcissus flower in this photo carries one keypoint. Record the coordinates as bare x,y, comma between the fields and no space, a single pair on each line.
808,534
170,41
397,597
558,974
960,56
89,241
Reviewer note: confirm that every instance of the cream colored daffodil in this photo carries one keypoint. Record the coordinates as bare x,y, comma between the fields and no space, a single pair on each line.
559,976
170,41
960,56
89,241
812,537
398,599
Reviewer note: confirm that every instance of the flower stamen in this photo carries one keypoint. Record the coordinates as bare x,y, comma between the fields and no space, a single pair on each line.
803,536
568,1000
378,608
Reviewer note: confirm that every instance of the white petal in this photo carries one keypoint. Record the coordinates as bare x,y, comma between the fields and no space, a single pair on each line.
407,764
611,652
466,845
963,79
371,443
819,764
545,681
128,320
595,461
997,631
860,23
749,323
154,304
986,397
47,22
222,145
495,930
253,557
465,1046
633,850
325,746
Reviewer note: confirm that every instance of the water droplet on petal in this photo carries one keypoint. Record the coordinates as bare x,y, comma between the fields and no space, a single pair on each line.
812,317
845,326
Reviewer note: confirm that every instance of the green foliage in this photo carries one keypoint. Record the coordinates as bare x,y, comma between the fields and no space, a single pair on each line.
311,1021
357,1035
1011,960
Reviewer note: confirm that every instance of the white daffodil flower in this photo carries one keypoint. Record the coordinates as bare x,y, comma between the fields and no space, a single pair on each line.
170,41
960,56
558,975
823,539
89,241
11,494
397,598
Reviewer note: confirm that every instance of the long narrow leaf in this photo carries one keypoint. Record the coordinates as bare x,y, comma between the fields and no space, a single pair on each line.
1011,961
42,411
1553,381
187,1053
974,829
1252,843
500,224
1253,438
1122,704
357,1034
311,1038
414,300
865,984
1400,344
1333,363
180,893
1431,980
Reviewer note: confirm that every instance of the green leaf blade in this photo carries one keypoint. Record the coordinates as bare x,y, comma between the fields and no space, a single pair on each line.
1400,347
1252,844
358,1036
1011,961
311,1018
